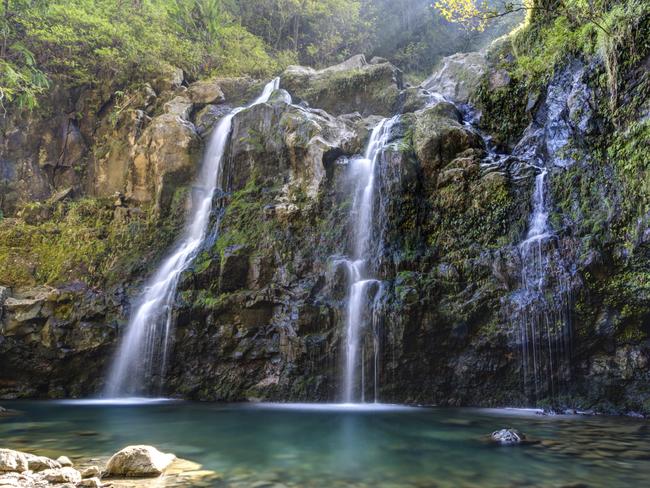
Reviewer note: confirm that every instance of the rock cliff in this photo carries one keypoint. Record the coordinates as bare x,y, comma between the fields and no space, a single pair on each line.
260,314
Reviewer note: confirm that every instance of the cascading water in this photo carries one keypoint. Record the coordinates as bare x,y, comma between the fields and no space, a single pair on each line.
542,304
141,358
362,174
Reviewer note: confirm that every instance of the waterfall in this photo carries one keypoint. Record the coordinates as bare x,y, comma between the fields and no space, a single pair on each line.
542,304
142,355
362,174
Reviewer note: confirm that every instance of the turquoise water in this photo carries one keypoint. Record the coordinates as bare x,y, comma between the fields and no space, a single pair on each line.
319,446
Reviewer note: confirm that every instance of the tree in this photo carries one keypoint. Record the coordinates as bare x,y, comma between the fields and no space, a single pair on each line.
475,14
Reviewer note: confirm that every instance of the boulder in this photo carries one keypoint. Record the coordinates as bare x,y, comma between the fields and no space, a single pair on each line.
507,437
457,77
205,92
208,116
181,106
138,461
13,461
272,139
61,475
239,91
354,85
24,480
40,463
439,137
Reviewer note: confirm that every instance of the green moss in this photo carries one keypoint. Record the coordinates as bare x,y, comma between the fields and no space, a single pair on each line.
81,239
244,222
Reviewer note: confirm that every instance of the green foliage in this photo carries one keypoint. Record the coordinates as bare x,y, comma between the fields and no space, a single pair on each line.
317,32
539,53
80,42
629,153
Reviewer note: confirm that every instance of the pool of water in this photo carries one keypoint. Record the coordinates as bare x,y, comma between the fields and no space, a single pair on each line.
311,445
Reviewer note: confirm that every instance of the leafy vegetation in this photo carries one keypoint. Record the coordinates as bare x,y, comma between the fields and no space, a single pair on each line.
80,42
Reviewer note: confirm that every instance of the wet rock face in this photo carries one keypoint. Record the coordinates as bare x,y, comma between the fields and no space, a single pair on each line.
438,136
164,158
457,76
260,314
53,340
352,86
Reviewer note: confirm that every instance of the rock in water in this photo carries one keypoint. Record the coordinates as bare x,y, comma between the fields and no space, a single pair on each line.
12,461
507,437
134,461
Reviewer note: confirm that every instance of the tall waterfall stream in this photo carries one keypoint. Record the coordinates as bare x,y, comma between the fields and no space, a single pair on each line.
141,358
362,173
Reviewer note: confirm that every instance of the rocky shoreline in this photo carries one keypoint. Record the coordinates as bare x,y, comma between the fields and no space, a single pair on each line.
133,466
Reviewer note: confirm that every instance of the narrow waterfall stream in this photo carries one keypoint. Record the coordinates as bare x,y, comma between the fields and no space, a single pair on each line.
141,358
362,173
542,304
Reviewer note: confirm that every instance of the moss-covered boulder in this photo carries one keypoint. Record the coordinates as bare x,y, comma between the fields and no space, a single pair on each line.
278,138
354,85
439,136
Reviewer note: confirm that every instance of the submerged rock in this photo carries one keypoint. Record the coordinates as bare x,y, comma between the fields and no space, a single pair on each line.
135,461
507,437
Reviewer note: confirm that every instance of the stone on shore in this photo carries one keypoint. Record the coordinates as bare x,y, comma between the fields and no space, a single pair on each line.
64,461
61,475
137,461
24,480
12,461
91,472
40,463
90,483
